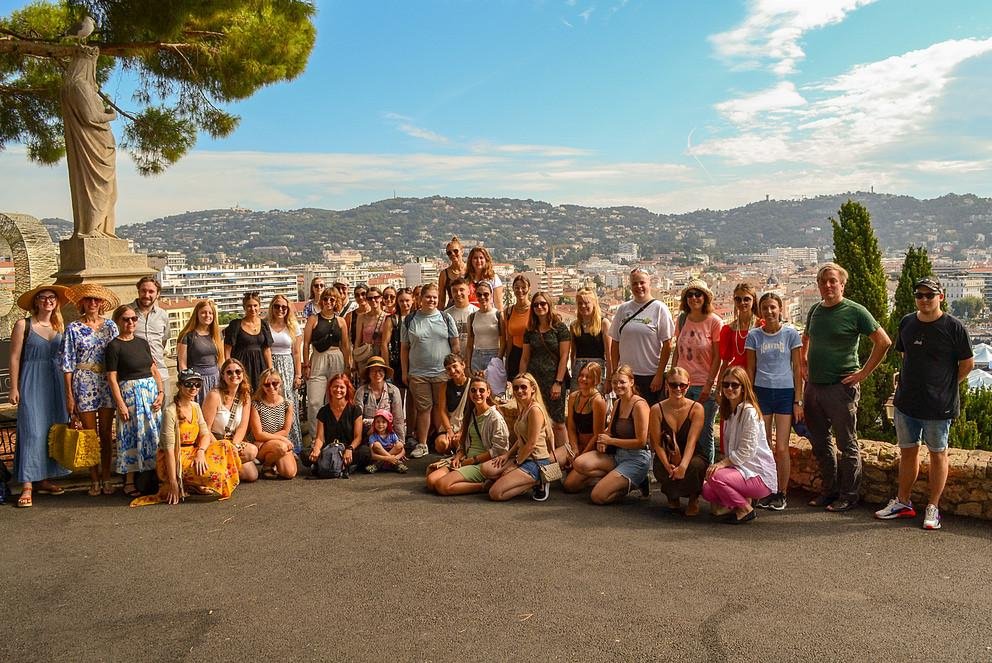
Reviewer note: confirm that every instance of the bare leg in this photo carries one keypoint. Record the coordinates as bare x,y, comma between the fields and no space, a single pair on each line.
610,488
455,484
783,461
511,484
909,470
937,475
106,432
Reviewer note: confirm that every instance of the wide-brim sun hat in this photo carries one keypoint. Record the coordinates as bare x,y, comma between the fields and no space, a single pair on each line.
27,299
377,362
697,284
96,291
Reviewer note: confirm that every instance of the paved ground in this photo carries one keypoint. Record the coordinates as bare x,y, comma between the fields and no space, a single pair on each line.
374,569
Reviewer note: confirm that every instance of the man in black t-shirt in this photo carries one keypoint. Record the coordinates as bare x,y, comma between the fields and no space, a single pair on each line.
936,357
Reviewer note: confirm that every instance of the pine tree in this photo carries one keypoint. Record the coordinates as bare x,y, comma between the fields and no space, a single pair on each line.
184,58
915,266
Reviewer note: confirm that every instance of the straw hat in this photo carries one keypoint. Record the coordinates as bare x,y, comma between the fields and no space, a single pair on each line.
27,299
83,290
697,284
377,362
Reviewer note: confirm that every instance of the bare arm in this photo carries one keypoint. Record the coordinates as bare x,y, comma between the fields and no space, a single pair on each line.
307,348
16,348
115,390
880,345
798,414
345,343
965,366
384,337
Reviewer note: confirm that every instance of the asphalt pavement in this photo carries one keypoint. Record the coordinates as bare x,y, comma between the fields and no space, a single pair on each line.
373,568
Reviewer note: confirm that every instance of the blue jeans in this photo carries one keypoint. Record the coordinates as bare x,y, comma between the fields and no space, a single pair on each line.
910,431
705,446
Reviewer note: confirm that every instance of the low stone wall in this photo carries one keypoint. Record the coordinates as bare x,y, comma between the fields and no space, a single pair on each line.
969,478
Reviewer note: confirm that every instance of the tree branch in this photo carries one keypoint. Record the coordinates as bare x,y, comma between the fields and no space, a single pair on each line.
17,45
116,107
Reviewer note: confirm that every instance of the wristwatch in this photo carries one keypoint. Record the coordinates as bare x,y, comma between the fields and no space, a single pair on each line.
799,403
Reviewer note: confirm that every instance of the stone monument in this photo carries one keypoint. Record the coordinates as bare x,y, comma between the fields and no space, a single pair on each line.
94,253
33,253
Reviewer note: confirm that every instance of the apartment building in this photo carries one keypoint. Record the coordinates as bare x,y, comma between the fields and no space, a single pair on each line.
227,285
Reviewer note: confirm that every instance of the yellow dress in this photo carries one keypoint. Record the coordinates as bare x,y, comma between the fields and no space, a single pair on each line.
222,459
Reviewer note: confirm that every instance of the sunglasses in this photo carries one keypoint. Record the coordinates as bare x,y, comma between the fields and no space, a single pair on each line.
129,318
47,298
453,252
389,296
374,298
327,299
280,307
478,390
233,371
541,304
520,387
318,285
272,385
192,385
483,295
742,300
694,294
924,295
733,386
678,385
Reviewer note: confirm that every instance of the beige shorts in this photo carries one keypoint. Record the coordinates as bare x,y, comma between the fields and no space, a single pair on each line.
423,390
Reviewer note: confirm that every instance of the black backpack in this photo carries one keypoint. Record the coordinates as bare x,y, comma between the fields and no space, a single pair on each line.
330,462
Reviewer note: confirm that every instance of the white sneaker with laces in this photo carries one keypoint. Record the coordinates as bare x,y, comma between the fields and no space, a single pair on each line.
419,451
932,519
895,509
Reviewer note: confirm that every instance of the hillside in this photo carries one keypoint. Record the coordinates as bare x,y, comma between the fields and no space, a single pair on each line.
400,228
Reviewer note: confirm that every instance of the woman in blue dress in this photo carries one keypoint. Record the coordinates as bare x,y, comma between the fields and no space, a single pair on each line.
87,393
36,381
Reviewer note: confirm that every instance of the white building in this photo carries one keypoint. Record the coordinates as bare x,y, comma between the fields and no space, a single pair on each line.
962,285
227,285
420,272
803,255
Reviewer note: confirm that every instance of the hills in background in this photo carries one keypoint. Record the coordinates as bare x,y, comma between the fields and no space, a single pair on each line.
398,229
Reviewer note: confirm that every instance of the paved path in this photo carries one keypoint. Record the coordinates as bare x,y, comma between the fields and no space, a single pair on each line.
375,569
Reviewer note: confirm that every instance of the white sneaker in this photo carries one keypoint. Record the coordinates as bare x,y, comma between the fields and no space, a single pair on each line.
896,509
419,451
932,519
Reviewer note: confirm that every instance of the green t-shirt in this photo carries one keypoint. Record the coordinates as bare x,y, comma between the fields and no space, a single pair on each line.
833,339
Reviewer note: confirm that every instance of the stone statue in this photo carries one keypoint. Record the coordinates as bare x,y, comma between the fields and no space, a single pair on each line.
91,153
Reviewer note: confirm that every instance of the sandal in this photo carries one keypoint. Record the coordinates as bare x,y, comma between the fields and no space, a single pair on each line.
131,490
25,501
108,488
49,488
94,490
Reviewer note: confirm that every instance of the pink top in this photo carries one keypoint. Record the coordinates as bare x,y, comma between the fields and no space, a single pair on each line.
694,344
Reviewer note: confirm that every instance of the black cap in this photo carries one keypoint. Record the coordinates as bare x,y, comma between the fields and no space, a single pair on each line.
188,374
930,282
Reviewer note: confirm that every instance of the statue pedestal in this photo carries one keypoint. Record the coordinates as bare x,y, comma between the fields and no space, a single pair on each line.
103,260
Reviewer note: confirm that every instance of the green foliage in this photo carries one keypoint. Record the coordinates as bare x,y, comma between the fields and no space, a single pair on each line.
915,266
973,428
856,250
968,307
187,56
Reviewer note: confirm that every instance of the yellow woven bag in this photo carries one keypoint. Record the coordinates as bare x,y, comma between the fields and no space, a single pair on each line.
73,448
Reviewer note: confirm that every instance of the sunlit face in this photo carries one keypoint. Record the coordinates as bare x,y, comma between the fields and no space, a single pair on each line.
428,300
583,305
485,296
927,301
46,300
460,295
478,392
521,288
388,298
695,299
522,390
360,294
328,302
91,305
454,252
374,299
252,307
771,311
584,381
233,375
743,301
377,375
831,286
280,308
621,384
455,371
338,390
541,307
316,288
147,294
205,316
405,303
478,261
640,285
128,321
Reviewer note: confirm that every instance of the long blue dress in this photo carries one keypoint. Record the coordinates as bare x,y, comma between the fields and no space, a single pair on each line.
42,404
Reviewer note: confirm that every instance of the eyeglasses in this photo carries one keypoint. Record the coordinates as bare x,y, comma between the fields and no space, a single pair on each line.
742,300
327,299
272,385
924,295
47,298
233,371
129,318
192,385
678,385
733,386
693,294
520,387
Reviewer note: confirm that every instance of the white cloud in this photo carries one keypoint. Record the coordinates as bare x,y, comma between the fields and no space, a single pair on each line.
567,24
744,110
772,31
585,14
538,150
405,124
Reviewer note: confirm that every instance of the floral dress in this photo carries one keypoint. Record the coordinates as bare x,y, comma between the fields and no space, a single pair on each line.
543,365
82,355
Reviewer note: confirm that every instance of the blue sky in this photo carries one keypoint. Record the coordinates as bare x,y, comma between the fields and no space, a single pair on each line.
673,106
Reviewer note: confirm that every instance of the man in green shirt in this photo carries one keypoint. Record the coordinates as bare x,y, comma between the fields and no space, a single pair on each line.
832,372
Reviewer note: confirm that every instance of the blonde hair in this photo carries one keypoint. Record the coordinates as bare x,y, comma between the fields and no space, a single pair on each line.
539,404
828,266
596,327
294,329
595,372
488,273
57,322
628,372
213,329
267,373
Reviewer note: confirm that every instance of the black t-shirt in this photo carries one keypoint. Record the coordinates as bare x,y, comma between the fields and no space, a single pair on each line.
928,381
131,359
342,429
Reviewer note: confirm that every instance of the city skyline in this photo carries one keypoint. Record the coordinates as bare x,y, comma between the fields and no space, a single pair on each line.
661,105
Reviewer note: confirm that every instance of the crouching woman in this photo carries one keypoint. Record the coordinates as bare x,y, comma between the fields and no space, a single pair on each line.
484,436
188,455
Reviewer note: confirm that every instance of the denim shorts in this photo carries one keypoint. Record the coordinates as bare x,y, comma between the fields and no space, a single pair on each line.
910,431
633,464
775,401
533,467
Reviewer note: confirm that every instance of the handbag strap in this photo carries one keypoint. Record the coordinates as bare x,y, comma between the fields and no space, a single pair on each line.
633,315
229,428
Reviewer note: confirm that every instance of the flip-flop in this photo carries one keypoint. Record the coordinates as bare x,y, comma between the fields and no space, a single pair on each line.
50,489
131,491
25,501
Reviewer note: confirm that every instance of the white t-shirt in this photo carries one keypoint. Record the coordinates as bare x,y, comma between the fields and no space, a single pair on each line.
642,337
460,316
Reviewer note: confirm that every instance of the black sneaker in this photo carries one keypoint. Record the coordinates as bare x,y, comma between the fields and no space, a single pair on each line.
645,488
776,502
822,501
541,491
765,502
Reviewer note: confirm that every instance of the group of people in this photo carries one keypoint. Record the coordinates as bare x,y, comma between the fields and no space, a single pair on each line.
599,402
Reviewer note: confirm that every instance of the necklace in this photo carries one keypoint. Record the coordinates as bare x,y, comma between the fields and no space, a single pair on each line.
739,342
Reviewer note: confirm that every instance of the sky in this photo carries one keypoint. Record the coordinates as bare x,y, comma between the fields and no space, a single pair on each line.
669,105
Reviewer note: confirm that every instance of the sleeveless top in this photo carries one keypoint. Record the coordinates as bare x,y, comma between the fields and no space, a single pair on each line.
189,431
583,420
453,394
282,342
622,428
516,322
326,333
540,450
371,330
273,416
682,436
589,346
223,416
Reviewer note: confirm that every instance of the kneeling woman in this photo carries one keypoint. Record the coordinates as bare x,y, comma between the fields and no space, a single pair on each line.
272,417
188,455
586,420
227,410
485,437
748,470
621,458
520,467
680,463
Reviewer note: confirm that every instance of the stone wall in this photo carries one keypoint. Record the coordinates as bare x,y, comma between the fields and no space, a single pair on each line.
969,481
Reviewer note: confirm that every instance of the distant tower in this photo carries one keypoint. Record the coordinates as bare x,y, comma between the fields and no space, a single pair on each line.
766,197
